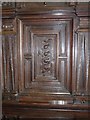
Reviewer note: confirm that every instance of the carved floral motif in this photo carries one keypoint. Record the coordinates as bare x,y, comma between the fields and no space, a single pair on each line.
46,57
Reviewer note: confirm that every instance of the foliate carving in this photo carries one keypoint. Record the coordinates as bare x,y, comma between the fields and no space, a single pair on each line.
46,56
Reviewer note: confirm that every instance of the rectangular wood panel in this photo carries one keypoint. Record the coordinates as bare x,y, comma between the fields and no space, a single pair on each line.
45,49
28,72
10,73
45,55
62,72
82,63
45,60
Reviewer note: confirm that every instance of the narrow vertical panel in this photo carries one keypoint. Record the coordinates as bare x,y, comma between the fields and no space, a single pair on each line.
15,59
81,64
4,63
11,59
62,40
62,71
21,56
37,53
32,49
68,45
88,67
65,53
10,52
87,45
28,72
1,67
54,47
27,57
74,62
8,73
27,40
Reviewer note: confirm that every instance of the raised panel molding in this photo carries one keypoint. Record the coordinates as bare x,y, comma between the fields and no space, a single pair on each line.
9,59
81,58
45,56
45,61
82,64
27,54
10,75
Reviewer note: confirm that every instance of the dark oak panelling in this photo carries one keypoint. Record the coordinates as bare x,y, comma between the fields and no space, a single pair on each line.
9,63
81,59
82,64
45,61
10,58
45,54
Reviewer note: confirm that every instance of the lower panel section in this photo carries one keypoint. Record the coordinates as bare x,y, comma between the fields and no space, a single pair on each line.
26,111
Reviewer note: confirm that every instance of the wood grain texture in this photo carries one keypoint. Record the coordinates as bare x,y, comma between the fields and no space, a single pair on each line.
81,59
45,61
10,73
45,55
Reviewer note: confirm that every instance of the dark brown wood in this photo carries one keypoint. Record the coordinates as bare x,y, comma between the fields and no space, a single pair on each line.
44,111
45,61
81,60
45,46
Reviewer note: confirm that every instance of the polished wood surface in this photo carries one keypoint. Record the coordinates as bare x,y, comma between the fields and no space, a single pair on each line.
45,61
44,54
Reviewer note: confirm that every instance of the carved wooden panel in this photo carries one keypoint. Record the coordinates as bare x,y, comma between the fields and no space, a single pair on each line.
9,58
40,60
45,60
81,64
45,56
9,49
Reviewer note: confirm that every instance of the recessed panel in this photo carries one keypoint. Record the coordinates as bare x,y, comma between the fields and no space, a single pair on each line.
45,55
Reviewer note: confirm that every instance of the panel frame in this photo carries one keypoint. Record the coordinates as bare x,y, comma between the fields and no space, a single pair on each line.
22,22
